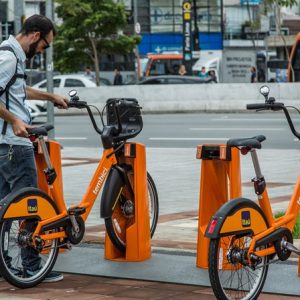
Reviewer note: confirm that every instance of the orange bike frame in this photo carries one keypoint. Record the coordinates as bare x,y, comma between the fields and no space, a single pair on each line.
287,221
105,164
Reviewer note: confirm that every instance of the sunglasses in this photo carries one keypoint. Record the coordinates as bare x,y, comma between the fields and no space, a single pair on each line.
46,42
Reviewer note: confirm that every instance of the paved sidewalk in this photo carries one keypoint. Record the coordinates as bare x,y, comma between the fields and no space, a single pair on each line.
176,173
79,287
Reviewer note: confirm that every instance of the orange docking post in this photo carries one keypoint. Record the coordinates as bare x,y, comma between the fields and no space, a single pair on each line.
55,157
138,242
220,181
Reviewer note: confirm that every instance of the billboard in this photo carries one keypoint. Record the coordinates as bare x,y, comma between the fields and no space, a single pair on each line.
236,65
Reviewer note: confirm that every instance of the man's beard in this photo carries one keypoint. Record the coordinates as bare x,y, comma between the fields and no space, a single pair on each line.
32,50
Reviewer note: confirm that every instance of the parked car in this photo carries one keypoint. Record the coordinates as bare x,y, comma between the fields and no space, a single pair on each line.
39,108
174,79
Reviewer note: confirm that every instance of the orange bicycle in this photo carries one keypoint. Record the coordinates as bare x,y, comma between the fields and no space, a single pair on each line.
35,221
244,236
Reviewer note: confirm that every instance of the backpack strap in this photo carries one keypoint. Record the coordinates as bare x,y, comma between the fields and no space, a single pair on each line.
10,83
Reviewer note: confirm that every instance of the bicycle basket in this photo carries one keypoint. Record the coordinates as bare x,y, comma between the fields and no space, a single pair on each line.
130,117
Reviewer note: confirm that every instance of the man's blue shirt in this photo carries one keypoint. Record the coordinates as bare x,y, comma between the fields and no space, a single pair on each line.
17,92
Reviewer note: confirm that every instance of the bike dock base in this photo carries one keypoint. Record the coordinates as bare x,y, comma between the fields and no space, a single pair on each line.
138,243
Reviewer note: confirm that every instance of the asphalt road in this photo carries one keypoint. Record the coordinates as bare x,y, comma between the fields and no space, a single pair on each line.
186,130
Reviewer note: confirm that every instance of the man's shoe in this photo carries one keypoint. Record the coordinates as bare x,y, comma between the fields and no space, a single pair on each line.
15,271
53,277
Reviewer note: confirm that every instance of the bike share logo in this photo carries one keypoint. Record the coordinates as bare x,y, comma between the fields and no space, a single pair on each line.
32,206
246,221
100,181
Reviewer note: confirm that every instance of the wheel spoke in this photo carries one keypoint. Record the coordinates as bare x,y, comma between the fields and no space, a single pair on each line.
18,257
233,278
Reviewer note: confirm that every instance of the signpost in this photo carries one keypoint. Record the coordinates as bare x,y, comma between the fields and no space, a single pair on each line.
49,72
137,30
187,35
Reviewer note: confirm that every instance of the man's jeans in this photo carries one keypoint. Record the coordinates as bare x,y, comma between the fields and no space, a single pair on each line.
18,170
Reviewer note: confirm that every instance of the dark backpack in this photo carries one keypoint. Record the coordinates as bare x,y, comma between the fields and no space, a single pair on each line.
9,84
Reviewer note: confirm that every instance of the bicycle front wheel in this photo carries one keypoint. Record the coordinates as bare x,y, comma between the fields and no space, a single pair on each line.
123,214
230,275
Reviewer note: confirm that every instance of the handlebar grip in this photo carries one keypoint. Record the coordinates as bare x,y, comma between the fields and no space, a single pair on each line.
257,106
272,106
77,104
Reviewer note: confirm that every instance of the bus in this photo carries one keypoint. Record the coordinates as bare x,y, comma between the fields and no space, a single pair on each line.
294,64
163,64
169,63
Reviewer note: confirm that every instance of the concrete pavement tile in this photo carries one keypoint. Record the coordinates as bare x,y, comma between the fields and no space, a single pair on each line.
175,287
194,297
277,297
149,293
128,282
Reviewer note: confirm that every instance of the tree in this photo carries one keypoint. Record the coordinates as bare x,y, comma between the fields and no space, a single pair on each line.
277,4
90,28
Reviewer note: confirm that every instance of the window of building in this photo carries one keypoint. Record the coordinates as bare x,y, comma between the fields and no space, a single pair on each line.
166,15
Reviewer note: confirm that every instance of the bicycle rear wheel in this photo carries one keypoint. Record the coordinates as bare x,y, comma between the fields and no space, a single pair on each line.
123,214
20,263
230,275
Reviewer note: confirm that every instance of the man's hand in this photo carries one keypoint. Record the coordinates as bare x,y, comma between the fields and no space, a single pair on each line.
60,101
20,128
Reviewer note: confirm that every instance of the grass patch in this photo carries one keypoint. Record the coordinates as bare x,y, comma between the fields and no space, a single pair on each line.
296,230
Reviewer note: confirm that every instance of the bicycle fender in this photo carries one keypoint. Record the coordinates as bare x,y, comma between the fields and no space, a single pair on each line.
27,202
111,190
237,215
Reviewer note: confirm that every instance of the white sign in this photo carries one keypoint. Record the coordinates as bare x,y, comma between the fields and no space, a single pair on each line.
137,28
237,65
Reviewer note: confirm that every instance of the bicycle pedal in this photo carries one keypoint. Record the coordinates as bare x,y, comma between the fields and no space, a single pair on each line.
291,247
67,246
76,211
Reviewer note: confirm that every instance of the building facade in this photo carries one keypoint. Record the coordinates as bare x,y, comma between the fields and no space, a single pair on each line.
161,25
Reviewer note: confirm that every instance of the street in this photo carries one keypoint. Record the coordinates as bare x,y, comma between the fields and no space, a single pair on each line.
171,141
186,130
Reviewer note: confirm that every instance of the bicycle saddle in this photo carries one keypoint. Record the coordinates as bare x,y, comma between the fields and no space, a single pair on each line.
253,142
41,130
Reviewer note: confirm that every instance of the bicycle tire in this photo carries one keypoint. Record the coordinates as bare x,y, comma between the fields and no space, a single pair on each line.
230,278
116,224
15,242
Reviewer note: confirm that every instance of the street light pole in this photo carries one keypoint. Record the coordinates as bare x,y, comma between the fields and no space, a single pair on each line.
136,29
196,28
19,12
49,72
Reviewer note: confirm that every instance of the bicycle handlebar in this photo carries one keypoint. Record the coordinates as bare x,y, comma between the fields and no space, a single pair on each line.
76,103
275,106
83,104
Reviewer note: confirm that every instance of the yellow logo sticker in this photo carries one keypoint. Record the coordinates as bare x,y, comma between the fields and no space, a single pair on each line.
32,206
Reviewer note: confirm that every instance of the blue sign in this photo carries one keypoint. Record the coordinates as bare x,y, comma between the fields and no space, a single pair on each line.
250,2
162,42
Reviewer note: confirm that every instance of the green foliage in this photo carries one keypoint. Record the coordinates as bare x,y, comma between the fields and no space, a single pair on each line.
296,230
283,3
89,28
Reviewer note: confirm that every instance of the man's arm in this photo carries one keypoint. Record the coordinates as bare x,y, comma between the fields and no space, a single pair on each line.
33,94
18,126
